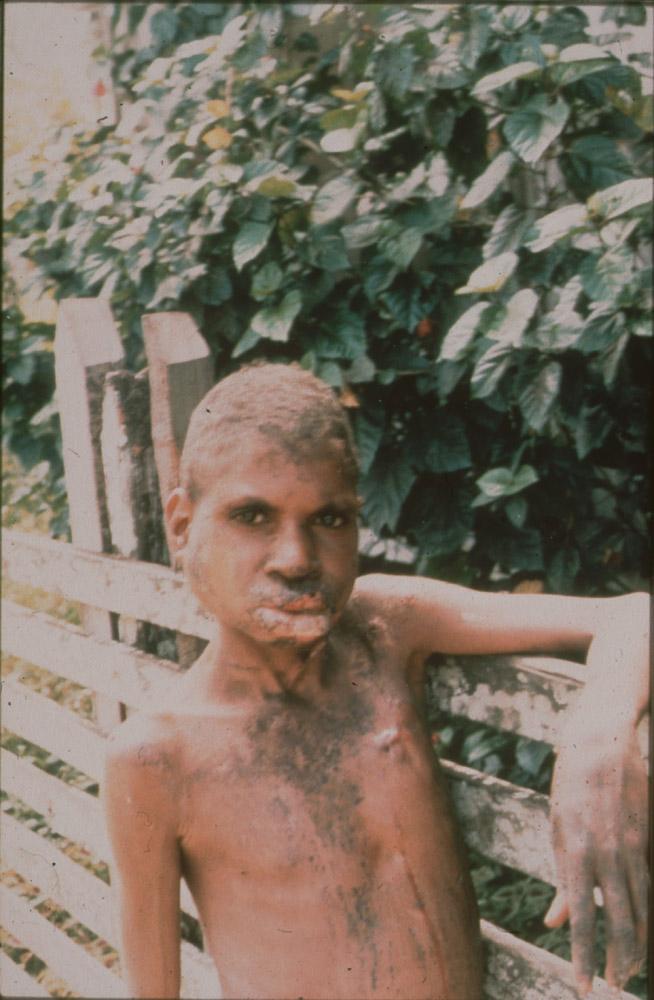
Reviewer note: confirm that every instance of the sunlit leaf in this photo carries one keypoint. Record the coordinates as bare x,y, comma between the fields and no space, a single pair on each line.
489,181
250,241
275,322
266,281
620,198
504,482
518,311
492,81
333,199
460,336
538,397
491,275
489,370
555,225
341,140
534,126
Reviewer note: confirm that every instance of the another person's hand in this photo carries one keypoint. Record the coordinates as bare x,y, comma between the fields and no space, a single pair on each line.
599,822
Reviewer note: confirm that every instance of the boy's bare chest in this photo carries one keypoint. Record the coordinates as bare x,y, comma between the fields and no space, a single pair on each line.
294,780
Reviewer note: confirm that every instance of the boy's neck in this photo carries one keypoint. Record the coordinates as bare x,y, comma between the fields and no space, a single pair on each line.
238,670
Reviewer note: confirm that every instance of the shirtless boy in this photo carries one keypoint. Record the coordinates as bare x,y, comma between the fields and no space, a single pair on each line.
289,777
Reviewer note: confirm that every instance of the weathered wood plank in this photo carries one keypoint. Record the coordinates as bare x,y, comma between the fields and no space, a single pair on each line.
142,590
64,958
112,668
16,982
68,810
180,370
522,694
43,722
199,976
86,896
502,821
87,346
40,862
517,970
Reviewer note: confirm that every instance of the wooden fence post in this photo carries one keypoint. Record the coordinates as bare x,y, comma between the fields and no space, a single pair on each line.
133,505
180,370
87,347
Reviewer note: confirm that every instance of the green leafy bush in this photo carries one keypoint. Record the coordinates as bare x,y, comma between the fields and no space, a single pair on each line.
441,210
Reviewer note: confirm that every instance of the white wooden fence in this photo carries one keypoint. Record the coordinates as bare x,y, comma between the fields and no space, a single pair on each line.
108,467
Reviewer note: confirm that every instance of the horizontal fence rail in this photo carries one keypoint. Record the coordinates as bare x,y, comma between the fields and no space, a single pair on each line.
502,821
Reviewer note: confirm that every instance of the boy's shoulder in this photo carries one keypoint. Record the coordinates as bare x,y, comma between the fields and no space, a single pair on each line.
145,741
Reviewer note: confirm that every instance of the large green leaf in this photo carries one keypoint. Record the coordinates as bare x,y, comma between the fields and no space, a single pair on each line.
555,226
489,181
402,247
508,230
533,128
594,162
275,322
490,276
448,450
577,61
604,277
591,429
539,395
493,81
369,430
364,231
504,482
385,488
489,370
266,281
634,194
513,321
341,140
250,241
332,200
461,336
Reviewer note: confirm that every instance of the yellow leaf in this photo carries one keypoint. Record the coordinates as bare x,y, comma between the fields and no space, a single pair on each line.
352,96
217,138
218,108
348,397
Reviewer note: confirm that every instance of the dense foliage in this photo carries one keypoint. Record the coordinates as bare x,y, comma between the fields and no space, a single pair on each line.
442,210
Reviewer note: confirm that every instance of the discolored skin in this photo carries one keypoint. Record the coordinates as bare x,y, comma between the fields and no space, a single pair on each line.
289,776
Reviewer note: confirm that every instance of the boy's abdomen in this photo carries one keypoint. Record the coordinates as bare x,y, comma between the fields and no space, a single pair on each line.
354,885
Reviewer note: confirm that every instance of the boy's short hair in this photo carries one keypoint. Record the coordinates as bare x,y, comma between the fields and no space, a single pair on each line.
283,402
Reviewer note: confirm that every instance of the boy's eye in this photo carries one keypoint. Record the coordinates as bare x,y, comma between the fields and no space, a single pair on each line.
249,515
331,519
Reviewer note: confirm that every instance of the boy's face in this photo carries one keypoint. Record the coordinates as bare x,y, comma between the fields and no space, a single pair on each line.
270,545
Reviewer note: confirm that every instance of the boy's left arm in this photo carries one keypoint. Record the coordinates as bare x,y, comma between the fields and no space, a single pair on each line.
599,793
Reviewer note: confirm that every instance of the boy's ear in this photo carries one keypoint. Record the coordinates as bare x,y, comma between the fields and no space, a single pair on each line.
177,517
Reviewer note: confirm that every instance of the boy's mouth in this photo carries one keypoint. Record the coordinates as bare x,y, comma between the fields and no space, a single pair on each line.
305,604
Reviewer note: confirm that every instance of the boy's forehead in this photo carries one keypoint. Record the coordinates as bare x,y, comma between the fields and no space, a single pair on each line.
253,453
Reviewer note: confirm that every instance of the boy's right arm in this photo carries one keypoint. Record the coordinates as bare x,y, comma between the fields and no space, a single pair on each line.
141,814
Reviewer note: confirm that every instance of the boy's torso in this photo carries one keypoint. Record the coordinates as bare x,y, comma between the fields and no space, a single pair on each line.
317,840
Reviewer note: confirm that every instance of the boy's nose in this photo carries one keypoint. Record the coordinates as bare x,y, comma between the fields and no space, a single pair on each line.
293,554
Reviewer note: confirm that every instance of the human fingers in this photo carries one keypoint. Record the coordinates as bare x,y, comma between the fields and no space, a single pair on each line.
622,952
579,881
638,879
558,912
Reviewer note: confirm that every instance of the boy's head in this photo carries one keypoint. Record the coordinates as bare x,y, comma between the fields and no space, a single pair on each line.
291,407
264,522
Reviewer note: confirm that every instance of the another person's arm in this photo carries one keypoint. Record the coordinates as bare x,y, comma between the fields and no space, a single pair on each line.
140,807
599,793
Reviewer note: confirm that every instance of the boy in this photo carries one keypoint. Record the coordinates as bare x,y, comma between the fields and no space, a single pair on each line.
289,777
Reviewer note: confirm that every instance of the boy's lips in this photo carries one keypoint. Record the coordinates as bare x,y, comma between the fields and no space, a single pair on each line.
305,604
